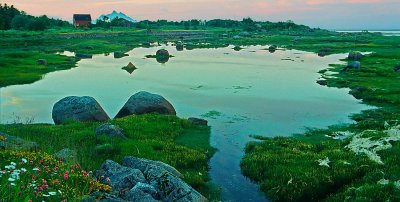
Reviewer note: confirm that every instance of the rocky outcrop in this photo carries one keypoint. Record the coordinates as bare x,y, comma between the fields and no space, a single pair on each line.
110,131
355,56
198,121
142,164
145,180
15,143
322,82
145,102
75,108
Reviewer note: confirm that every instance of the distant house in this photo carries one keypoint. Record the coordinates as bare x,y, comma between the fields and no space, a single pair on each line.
82,20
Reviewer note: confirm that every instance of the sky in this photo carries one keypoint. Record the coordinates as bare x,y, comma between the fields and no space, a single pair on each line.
327,14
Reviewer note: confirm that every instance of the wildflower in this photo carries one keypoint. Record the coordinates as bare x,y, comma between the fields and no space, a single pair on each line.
13,164
11,179
29,200
52,193
12,184
46,195
108,179
24,160
66,175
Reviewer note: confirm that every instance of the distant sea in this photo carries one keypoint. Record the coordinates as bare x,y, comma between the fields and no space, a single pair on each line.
384,32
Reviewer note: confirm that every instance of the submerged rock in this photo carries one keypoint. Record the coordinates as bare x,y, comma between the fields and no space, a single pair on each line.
179,46
162,53
83,56
355,56
110,131
78,109
129,68
237,48
145,102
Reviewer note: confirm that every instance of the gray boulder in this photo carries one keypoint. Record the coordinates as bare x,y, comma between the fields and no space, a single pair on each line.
171,188
137,195
145,102
120,177
16,143
197,121
110,130
78,109
179,46
355,56
67,155
272,48
141,164
162,53
352,65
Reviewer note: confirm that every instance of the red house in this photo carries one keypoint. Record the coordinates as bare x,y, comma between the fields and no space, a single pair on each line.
82,20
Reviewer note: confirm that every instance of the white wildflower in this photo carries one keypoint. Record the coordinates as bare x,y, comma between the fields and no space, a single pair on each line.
13,164
324,162
46,195
24,160
35,169
12,184
10,179
383,182
23,170
52,193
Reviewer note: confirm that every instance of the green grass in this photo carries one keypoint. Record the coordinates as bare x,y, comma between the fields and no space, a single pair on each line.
164,138
287,169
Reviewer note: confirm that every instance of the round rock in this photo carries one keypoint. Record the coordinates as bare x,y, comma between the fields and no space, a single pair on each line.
144,103
81,109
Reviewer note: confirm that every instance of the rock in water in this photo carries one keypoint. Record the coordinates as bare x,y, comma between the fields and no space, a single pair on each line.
110,130
197,121
162,53
272,48
129,68
322,82
179,46
81,109
355,56
118,54
145,102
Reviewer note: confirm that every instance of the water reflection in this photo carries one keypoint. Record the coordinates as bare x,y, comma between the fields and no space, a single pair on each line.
253,93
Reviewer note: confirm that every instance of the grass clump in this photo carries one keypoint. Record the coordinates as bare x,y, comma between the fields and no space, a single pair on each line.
38,176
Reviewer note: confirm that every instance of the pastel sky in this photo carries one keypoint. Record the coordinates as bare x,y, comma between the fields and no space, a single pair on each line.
330,14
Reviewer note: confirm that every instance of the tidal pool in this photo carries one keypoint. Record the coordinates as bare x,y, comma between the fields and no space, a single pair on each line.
240,93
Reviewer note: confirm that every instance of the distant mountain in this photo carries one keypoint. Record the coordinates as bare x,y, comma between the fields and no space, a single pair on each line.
113,15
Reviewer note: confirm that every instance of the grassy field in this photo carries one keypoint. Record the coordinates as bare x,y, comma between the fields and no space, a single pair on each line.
165,138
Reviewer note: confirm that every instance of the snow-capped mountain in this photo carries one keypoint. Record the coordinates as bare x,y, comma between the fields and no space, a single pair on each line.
115,14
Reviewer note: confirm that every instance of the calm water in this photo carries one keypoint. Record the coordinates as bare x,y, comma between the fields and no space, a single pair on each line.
253,91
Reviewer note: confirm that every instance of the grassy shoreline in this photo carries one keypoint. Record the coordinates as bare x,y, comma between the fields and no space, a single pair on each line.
312,166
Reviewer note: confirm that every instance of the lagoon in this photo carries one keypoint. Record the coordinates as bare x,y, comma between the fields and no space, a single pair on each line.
240,93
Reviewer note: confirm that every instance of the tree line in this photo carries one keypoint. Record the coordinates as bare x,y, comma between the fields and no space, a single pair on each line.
12,18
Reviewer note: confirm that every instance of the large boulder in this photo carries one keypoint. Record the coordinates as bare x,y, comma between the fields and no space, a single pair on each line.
170,187
355,56
145,180
110,131
272,48
141,164
75,108
15,143
145,102
119,177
